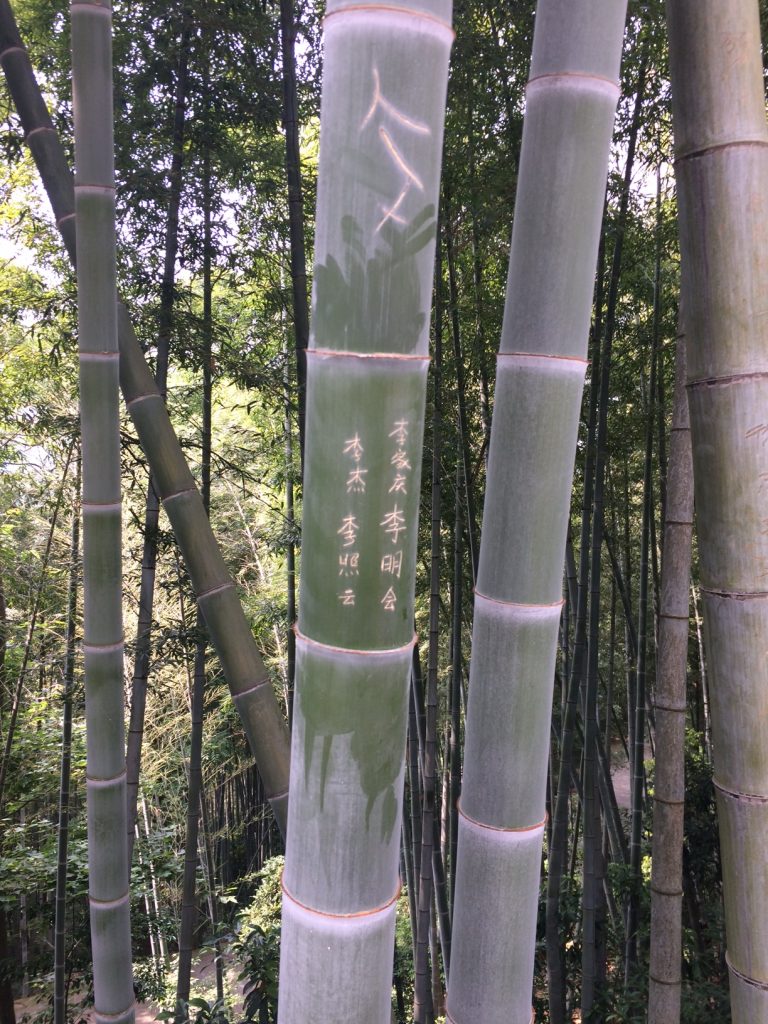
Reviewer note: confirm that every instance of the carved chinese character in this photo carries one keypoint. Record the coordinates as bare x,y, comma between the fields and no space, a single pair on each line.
348,530
393,523
398,487
389,600
400,433
354,448
349,564
347,597
392,564
400,460
408,124
356,481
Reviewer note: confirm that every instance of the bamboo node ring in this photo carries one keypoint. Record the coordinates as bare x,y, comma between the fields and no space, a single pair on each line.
248,692
391,9
352,650
662,981
340,353
519,604
498,828
36,131
747,798
115,1016
762,985
108,904
342,917
220,587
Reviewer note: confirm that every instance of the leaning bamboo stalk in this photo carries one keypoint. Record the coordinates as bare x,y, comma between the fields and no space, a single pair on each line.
570,106
228,627
721,147
108,871
665,974
385,77
143,644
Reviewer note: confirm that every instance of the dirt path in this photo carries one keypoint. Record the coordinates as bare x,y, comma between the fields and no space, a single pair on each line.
203,984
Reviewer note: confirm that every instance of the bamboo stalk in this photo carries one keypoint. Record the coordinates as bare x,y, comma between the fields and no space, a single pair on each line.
62,839
570,105
385,76
143,646
295,209
228,627
665,973
721,147
108,870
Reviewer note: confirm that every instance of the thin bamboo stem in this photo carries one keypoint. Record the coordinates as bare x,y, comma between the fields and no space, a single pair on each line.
665,971
62,839
108,868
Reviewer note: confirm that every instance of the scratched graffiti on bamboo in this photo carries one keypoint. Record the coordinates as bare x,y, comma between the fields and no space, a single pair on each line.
760,431
403,123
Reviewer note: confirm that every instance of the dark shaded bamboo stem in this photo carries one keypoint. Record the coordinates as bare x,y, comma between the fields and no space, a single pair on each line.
295,208
59,929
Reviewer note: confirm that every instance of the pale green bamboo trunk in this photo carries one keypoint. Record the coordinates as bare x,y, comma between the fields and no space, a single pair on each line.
570,105
382,123
721,148
108,875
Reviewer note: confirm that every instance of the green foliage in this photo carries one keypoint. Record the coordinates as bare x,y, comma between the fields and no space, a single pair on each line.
257,945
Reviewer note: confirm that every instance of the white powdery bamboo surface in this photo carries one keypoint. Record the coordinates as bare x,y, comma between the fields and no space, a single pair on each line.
570,106
383,104
721,164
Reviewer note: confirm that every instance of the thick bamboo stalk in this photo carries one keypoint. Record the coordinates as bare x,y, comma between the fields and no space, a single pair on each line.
108,870
570,105
721,146
665,974
229,629
385,77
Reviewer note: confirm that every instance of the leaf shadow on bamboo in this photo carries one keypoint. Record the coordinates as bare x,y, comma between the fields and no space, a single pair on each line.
354,298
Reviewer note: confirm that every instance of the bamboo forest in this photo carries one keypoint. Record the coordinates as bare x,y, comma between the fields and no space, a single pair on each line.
362,660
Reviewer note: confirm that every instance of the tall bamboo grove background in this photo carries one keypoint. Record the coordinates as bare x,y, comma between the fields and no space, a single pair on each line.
424,746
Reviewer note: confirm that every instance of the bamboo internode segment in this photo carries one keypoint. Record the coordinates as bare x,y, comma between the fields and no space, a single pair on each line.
385,76
570,106
722,173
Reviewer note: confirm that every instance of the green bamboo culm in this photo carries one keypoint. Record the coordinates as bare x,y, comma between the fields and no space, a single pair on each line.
383,105
570,107
108,885
721,167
